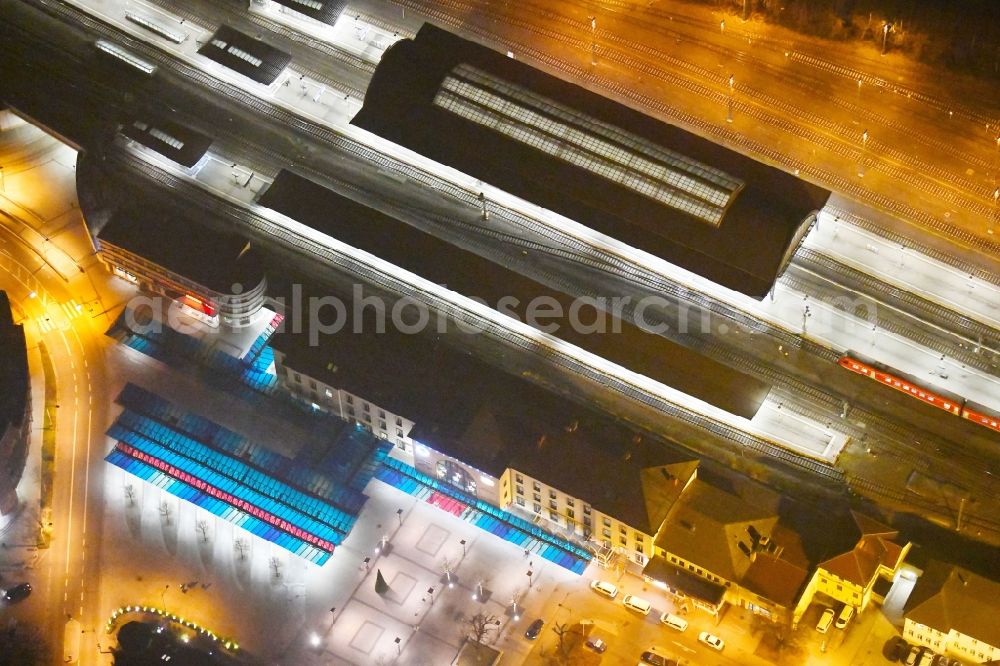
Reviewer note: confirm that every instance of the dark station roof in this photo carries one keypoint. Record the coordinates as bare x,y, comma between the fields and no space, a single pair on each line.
324,11
473,411
645,182
472,275
186,247
172,140
242,53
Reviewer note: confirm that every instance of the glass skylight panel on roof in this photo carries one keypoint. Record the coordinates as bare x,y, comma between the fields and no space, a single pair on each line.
602,149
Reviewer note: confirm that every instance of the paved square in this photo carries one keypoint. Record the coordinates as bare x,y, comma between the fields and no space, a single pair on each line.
366,637
401,585
432,540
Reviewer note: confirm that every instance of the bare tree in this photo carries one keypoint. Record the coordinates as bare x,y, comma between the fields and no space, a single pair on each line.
165,511
130,494
276,567
242,547
564,643
202,527
480,626
776,635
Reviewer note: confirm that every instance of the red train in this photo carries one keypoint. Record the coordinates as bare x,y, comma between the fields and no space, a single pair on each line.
957,405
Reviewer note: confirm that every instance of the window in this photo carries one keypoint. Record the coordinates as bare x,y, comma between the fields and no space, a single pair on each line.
569,501
519,490
368,417
381,424
538,508
368,407
399,432
569,512
638,547
553,505
350,411
329,393
586,521
552,494
381,414
586,510
606,533
621,528
298,378
312,384
537,497
607,523
537,487
622,540
554,516
519,478
520,501
350,400
638,537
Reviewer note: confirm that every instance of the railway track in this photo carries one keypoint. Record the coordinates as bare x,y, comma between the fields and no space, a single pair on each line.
723,135
970,330
362,268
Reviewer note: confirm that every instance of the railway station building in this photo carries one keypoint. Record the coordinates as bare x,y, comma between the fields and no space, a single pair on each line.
15,407
954,612
218,276
652,185
860,574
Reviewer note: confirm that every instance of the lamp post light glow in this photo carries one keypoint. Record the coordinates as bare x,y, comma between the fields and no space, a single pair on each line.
885,35
593,40
729,114
864,148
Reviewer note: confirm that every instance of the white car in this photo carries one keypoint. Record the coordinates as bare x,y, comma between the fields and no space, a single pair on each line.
637,604
711,641
607,589
825,620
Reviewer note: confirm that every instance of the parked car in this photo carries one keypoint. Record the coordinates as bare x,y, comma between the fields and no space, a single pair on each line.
637,604
534,629
17,593
825,620
844,617
652,658
711,641
926,658
911,656
597,645
674,622
604,588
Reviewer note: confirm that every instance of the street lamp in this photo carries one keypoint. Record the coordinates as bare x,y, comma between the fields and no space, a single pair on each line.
530,580
729,115
399,515
463,547
885,35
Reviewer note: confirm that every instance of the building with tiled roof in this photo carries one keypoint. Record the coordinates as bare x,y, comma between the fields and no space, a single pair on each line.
849,577
954,611
716,547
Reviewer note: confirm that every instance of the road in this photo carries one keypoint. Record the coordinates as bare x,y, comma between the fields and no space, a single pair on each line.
64,314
